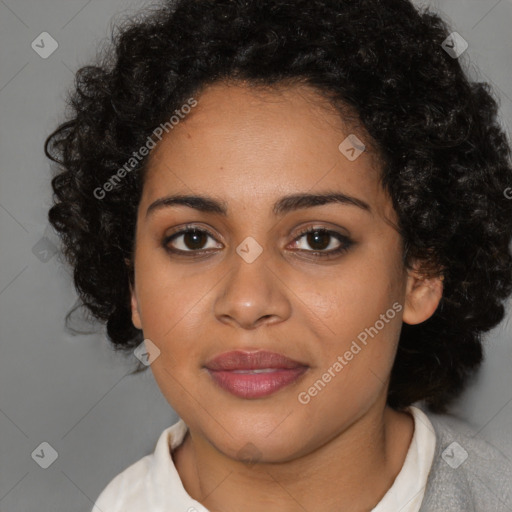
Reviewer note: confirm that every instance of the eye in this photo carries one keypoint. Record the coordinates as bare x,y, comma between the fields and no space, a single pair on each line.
324,242
191,239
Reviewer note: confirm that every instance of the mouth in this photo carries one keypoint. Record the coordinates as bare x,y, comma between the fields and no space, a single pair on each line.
252,375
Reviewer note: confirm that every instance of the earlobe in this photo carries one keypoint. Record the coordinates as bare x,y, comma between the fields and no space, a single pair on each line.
422,297
134,303
135,309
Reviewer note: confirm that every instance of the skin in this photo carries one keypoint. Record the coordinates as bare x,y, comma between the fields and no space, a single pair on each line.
249,148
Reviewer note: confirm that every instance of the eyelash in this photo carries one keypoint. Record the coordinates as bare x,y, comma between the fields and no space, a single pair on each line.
346,243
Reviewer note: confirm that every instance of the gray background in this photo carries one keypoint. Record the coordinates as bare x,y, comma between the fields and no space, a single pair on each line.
73,391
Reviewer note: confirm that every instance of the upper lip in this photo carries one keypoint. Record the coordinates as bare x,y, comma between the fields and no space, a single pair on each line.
241,360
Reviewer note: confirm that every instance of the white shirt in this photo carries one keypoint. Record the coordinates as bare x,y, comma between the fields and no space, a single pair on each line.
153,484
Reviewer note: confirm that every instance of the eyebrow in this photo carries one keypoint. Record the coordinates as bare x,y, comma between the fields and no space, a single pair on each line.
284,205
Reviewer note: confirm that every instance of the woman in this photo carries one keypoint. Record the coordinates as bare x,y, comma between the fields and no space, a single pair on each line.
294,213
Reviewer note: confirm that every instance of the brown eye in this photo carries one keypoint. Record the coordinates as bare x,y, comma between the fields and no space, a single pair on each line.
195,239
318,240
188,240
323,242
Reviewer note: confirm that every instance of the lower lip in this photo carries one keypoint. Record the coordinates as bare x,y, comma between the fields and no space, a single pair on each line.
256,385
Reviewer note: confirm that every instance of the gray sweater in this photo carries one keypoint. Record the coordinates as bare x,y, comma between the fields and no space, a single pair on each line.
468,474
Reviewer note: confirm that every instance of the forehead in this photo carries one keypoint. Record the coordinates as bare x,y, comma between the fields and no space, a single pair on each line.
250,146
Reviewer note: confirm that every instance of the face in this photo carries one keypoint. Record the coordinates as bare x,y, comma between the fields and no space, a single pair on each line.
245,269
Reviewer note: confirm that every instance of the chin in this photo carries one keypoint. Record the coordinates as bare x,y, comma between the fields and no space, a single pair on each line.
258,438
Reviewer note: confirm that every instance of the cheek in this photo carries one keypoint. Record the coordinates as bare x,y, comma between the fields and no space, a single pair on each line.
355,367
169,298
357,314
350,297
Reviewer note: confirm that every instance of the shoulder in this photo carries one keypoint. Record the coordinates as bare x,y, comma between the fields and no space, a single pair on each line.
468,474
126,486
143,485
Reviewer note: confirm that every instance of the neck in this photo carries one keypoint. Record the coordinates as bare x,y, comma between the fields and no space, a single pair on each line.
340,474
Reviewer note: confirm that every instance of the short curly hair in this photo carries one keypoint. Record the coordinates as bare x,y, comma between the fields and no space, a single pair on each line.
445,159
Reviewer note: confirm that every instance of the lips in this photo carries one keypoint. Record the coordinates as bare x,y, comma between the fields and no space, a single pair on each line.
239,360
254,374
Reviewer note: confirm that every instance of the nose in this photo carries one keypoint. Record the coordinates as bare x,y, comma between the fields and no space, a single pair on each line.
252,294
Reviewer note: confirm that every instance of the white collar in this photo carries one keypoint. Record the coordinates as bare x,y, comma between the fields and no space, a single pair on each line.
153,482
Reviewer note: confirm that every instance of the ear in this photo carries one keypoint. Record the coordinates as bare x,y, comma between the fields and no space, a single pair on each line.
422,296
134,303
135,309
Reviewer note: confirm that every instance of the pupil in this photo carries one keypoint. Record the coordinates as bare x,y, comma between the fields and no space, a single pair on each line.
317,237
197,238
318,240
